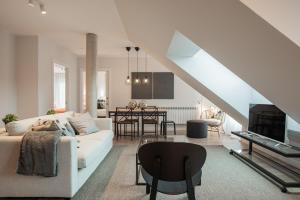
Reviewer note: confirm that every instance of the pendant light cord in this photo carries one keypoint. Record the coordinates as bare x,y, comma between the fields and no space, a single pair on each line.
146,62
128,64
137,60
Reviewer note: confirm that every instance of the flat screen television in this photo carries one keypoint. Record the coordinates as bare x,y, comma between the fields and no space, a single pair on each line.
267,120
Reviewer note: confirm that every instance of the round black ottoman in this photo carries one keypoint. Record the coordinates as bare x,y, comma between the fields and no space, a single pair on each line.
196,129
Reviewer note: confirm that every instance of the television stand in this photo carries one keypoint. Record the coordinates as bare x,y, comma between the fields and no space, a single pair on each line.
284,176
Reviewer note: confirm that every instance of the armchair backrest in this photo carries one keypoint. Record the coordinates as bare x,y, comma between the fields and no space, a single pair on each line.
171,157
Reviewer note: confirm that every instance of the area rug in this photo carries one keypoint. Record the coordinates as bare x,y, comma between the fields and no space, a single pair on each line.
224,178
95,186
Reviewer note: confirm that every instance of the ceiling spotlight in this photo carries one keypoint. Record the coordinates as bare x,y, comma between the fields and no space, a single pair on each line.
43,10
31,3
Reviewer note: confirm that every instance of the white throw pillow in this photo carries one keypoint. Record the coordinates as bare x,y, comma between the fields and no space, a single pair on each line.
18,128
83,124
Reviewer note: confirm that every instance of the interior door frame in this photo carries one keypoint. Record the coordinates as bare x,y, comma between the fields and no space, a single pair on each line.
108,86
108,83
67,89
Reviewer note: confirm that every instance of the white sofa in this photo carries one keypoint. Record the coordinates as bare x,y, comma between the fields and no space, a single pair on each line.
75,164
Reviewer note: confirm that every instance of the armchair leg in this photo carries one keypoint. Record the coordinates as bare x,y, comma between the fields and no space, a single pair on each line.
189,182
155,179
147,189
154,189
191,194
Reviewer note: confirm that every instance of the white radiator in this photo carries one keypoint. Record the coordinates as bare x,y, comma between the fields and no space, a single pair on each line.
181,114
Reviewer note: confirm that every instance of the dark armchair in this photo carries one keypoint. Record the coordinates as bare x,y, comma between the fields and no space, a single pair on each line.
171,168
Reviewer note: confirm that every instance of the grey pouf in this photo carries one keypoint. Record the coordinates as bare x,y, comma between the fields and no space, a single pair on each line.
196,129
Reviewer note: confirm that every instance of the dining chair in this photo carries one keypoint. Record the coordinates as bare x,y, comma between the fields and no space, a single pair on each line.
125,117
171,167
150,117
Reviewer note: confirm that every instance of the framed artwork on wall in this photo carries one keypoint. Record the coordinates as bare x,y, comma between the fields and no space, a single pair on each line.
160,85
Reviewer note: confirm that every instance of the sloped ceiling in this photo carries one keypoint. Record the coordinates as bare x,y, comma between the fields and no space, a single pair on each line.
230,32
284,15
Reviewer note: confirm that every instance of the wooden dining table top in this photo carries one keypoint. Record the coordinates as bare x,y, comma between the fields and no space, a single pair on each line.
137,110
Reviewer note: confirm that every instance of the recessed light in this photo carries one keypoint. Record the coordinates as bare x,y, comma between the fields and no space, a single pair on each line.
43,10
31,3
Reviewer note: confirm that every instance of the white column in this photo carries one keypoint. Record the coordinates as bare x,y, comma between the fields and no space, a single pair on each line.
91,72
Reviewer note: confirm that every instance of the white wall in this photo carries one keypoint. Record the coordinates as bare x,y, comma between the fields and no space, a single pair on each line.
49,53
27,76
8,88
120,92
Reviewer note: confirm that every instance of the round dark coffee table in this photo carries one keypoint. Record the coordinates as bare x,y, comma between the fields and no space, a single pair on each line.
196,129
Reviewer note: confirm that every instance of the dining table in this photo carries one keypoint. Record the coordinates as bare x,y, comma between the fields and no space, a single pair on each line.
137,112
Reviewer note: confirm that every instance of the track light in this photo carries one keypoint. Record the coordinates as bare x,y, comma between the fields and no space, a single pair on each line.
31,3
43,10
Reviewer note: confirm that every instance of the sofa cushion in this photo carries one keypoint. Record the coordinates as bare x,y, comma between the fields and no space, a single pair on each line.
90,146
18,128
84,124
100,135
52,125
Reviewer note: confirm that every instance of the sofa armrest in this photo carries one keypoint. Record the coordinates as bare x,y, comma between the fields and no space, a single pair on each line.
67,176
104,123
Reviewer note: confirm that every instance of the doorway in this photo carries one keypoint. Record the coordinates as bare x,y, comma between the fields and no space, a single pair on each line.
102,93
102,85
59,88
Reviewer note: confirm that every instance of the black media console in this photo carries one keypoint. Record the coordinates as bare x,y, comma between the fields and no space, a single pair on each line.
284,176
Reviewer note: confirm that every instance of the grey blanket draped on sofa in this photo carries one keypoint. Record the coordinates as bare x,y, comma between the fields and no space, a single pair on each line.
38,153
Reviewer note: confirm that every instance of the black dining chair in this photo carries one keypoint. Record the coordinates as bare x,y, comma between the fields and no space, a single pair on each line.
150,117
171,167
125,117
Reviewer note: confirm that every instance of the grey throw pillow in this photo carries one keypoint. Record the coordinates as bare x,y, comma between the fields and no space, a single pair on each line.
84,124
70,129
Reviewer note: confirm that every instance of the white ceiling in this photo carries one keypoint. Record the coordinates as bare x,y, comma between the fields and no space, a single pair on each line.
66,23
284,15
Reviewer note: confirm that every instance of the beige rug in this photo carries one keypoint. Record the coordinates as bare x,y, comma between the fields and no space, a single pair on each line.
224,178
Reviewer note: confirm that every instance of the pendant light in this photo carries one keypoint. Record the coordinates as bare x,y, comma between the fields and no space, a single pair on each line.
146,80
128,77
137,79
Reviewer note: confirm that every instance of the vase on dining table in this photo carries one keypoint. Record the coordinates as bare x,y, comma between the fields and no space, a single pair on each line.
132,104
142,104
